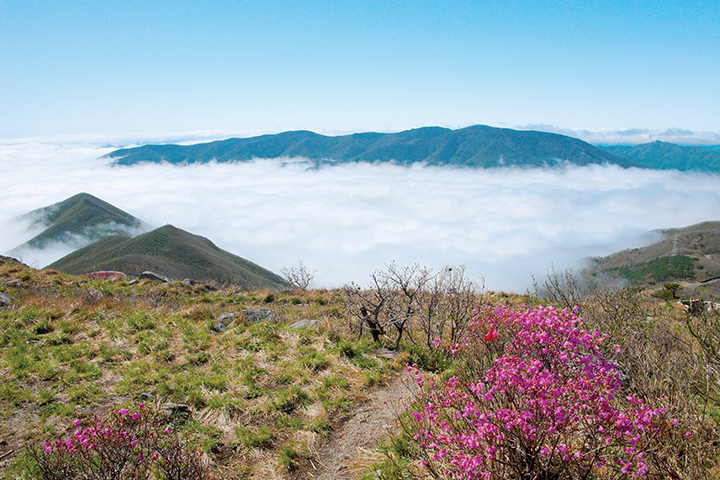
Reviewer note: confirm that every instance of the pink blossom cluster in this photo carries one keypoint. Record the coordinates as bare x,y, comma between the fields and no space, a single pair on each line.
548,406
88,438
126,445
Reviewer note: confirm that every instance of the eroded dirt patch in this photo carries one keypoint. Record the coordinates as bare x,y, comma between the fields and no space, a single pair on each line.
340,458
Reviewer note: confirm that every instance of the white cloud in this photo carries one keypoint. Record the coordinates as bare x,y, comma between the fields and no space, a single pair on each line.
347,221
632,136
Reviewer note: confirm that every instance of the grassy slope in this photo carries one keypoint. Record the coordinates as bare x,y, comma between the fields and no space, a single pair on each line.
171,252
477,146
78,215
72,348
696,259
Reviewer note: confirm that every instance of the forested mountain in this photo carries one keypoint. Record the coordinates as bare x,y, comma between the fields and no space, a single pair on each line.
476,146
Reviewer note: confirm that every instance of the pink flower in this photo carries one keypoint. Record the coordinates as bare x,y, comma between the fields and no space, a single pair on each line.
550,382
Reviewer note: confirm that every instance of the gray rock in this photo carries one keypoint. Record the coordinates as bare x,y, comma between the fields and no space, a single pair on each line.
5,299
177,407
218,328
305,324
189,281
154,276
227,318
259,315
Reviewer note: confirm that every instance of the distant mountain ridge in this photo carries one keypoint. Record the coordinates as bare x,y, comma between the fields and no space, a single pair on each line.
475,146
171,252
663,155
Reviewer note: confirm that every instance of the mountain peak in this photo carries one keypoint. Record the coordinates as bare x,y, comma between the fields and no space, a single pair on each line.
171,252
82,217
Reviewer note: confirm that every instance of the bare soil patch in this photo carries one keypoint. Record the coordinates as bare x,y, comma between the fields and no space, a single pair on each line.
341,456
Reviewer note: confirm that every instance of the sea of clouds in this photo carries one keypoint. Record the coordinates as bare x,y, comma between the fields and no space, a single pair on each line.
347,221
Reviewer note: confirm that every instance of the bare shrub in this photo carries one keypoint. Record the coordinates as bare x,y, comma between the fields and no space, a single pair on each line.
298,278
659,360
447,305
415,302
705,329
562,289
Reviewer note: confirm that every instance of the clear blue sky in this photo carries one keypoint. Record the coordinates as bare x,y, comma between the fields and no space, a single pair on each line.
76,67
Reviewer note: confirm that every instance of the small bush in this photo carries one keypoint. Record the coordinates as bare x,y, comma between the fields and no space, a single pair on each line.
140,321
314,360
123,446
288,459
261,438
288,400
536,399
346,349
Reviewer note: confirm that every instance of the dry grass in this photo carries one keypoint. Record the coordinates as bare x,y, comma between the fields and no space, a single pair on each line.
75,348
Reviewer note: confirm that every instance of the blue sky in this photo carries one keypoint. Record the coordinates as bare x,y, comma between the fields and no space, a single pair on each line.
79,67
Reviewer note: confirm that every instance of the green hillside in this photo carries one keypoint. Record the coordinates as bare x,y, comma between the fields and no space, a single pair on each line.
81,215
665,156
172,252
476,146
688,255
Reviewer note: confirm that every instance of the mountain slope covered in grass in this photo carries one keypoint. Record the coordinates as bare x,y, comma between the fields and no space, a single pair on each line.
81,216
271,398
475,146
690,255
258,398
172,252
664,156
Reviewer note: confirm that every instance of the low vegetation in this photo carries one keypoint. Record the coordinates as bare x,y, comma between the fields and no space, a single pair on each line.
560,384
659,270
73,349
620,385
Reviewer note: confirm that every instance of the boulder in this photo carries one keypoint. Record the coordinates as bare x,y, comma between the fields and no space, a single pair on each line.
154,276
305,324
5,299
259,315
227,318
218,328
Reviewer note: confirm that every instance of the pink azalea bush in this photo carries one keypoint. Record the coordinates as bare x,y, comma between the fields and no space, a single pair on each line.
126,445
535,399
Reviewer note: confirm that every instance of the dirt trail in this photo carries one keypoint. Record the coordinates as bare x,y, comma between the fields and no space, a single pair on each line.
373,421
